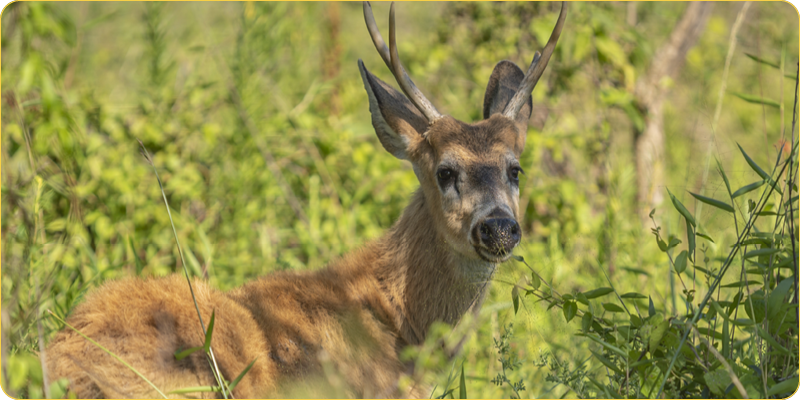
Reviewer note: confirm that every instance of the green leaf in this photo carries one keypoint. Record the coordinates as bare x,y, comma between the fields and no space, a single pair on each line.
762,61
570,309
186,353
682,209
739,284
690,240
633,295
515,298
607,363
657,333
735,303
680,262
535,281
598,292
763,174
726,341
651,310
462,386
661,244
747,189
209,331
195,389
241,375
787,386
758,170
756,100
706,237
610,307
518,258
761,252
776,297
713,202
586,322
674,242
636,271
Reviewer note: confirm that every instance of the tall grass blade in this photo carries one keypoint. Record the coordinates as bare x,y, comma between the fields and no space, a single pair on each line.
713,202
241,375
209,331
462,385
215,368
195,389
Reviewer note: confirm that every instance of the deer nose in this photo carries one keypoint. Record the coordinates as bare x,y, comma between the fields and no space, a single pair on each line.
499,235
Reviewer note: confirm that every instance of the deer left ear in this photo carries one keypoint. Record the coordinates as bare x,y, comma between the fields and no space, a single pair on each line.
396,120
503,84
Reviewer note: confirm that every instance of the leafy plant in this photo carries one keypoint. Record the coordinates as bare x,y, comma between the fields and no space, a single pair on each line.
708,349
509,361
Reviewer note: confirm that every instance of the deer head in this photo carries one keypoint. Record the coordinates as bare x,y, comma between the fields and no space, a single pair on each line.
468,172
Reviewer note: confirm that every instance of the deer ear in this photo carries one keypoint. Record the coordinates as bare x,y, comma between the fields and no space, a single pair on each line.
396,120
502,86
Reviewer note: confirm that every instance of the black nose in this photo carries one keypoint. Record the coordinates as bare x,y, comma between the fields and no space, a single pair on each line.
499,235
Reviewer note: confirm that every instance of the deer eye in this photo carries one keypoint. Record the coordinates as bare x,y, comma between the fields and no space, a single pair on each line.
513,173
445,176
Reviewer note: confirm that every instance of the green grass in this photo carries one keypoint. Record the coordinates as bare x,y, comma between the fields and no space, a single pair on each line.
258,124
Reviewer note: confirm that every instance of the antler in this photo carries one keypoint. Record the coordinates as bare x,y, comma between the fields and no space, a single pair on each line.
536,69
392,60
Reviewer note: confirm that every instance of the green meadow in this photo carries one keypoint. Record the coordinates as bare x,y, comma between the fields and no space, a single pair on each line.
258,124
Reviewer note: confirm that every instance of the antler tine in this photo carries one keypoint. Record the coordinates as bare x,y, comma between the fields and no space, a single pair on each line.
392,60
377,39
536,68
408,86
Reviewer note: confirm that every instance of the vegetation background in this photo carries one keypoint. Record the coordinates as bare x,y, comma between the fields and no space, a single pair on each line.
258,124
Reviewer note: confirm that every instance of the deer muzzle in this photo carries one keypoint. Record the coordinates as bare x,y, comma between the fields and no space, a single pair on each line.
496,237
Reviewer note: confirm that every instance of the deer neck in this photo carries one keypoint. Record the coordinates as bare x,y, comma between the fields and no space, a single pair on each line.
423,278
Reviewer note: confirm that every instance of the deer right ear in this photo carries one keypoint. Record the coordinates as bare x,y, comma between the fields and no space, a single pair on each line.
503,84
396,120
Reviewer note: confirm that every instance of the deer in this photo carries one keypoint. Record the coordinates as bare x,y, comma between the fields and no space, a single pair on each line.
357,314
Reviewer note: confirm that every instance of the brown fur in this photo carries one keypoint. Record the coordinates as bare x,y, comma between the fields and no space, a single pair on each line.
348,322
358,313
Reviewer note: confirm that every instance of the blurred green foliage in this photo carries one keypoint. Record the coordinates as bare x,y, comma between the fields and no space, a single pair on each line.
259,126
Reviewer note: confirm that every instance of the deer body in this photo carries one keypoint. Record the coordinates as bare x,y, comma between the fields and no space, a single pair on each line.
356,315
349,321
